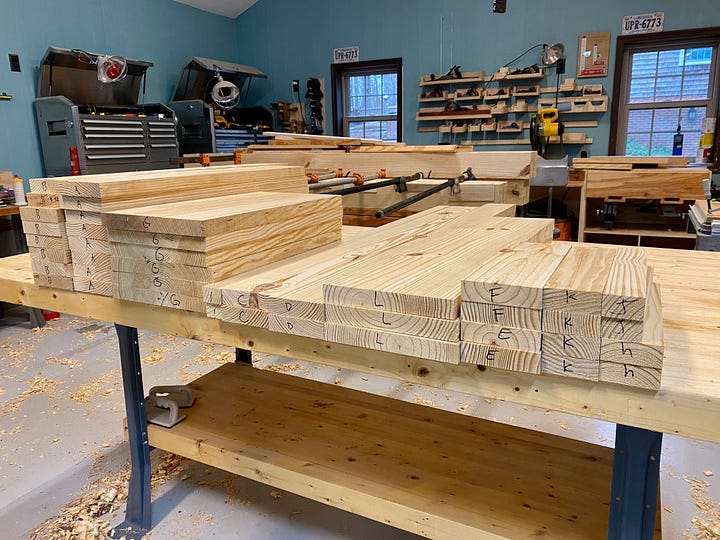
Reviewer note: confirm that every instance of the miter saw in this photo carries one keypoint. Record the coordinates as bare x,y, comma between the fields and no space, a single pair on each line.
544,125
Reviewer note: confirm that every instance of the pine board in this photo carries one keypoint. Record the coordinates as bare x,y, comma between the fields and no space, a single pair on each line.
238,315
495,165
208,217
514,277
45,229
630,375
501,336
663,161
626,287
52,255
99,261
571,323
175,184
45,200
47,242
159,297
79,216
431,349
578,282
562,345
87,230
43,215
51,268
93,286
487,355
575,368
92,271
86,246
515,317
53,281
619,329
186,287
389,321
423,278
685,184
286,324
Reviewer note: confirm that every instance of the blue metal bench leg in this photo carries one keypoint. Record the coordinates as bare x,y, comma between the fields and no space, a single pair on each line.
137,514
243,356
636,475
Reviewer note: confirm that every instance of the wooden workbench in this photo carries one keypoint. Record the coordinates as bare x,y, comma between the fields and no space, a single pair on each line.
386,460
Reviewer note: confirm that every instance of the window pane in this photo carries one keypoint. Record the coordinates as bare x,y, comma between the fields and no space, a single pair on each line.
666,120
373,85
357,106
696,86
389,131
668,89
671,62
389,104
644,64
642,90
640,121
356,129
692,118
372,130
662,144
638,144
390,83
356,86
373,106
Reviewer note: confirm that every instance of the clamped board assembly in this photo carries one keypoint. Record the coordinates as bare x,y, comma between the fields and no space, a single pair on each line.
338,180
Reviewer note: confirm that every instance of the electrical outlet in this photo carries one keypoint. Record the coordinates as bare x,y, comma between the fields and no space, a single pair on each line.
499,6
296,85
14,62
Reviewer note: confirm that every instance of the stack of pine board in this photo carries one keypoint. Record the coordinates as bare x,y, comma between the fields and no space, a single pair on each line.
84,198
586,312
165,254
287,296
626,163
45,231
408,301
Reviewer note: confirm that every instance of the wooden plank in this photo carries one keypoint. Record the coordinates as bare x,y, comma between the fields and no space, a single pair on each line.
514,317
297,326
667,161
602,166
43,215
571,346
390,321
686,184
514,277
327,138
51,268
224,269
159,297
574,368
87,246
626,288
501,336
239,315
619,329
52,255
495,165
45,229
432,149
431,349
87,230
53,281
232,250
46,200
47,242
571,323
98,272
488,355
80,216
93,286
100,261
424,277
578,282
172,185
395,478
208,217
630,375
186,287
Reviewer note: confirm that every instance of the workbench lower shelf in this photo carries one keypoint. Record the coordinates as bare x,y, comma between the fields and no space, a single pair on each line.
435,473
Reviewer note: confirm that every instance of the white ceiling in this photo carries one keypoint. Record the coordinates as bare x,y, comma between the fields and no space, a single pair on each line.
228,8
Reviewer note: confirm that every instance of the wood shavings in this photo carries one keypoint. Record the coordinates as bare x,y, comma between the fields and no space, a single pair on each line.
707,527
338,380
276,494
463,407
201,518
97,387
67,362
38,385
564,427
708,472
427,402
155,357
81,518
282,368
208,357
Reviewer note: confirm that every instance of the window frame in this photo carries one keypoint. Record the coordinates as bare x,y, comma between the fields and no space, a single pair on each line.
339,75
656,41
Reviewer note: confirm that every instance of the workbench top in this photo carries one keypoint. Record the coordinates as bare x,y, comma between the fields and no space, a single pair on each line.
687,404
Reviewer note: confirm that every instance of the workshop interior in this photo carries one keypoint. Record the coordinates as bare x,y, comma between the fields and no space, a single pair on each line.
339,270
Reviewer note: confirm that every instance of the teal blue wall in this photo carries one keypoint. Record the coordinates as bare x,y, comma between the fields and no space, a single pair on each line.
289,39
159,31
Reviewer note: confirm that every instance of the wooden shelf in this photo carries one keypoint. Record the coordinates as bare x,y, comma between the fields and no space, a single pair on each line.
434,473
453,81
452,117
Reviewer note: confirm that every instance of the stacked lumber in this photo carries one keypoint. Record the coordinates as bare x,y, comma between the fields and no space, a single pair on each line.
627,163
287,296
165,254
45,230
585,312
84,198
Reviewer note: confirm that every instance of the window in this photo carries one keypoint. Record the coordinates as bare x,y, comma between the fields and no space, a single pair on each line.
663,81
367,99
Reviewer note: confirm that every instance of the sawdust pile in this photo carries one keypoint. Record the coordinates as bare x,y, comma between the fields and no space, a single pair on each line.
38,385
82,518
282,368
208,357
97,387
155,357
708,526
67,362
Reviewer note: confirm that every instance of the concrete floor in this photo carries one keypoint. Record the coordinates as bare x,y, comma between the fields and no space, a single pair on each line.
61,440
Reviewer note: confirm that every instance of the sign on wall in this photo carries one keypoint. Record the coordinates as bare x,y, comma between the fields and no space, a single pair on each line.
644,23
346,54
593,54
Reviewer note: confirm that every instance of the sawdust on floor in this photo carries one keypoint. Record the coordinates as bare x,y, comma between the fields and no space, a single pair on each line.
707,526
99,386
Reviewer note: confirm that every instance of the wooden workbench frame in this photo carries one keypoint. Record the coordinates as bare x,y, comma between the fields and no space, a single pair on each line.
641,416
